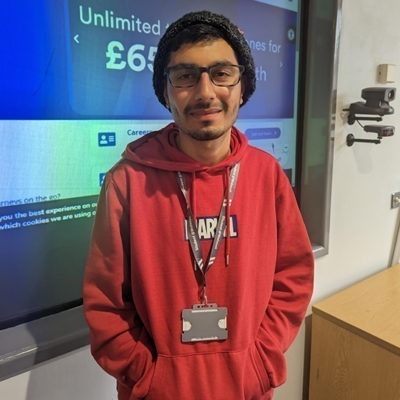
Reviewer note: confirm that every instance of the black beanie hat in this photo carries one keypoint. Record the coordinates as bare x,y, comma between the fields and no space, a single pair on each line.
228,31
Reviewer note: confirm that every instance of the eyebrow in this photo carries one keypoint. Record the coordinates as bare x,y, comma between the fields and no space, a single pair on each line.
185,65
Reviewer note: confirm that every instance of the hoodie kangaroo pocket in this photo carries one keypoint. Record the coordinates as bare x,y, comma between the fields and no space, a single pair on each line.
256,380
218,376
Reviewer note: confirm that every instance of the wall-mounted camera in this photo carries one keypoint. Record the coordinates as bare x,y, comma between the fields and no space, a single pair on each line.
381,130
376,103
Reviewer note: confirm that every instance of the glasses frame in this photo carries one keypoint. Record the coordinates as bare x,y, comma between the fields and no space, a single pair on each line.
200,71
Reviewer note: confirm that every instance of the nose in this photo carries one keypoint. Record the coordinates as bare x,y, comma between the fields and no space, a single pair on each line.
205,88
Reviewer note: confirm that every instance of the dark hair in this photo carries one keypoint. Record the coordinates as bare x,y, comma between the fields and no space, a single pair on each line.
198,27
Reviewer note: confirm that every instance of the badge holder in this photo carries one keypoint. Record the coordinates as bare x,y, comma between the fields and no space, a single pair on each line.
204,322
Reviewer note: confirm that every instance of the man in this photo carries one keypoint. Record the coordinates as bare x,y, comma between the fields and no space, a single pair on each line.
200,269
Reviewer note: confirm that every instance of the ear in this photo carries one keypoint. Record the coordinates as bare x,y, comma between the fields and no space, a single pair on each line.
166,99
243,86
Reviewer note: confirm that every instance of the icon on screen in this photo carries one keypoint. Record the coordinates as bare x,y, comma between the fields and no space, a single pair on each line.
106,139
102,175
291,34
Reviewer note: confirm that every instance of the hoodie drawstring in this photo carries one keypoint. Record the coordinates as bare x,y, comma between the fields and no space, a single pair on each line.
193,202
228,218
227,201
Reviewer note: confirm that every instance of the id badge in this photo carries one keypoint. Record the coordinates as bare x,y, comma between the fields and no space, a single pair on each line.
204,322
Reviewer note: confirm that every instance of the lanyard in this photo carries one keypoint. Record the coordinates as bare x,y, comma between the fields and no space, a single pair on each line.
219,230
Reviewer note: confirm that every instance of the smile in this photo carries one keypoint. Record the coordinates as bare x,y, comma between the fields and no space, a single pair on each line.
205,112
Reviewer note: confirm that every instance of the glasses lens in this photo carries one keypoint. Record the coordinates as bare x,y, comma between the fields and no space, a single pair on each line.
225,75
183,77
220,75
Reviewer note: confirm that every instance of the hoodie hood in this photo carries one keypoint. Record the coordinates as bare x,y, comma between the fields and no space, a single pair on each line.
159,150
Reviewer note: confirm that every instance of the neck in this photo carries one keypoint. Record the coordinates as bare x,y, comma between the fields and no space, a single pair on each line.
207,152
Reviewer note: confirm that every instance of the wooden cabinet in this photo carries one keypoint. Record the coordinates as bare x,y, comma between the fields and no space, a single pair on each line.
355,342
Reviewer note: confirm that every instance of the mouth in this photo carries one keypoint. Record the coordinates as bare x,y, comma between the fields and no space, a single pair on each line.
205,112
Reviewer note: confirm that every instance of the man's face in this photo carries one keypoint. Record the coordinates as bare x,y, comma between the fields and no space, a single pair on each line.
204,111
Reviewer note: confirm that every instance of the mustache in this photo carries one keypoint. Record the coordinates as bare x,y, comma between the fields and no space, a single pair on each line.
204,106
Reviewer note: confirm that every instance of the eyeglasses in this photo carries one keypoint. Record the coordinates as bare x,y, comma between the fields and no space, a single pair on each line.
186,76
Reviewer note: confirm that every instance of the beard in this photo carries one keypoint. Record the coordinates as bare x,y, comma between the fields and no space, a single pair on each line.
207,131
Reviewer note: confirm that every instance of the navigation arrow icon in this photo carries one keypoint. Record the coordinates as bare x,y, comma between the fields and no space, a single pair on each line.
76,38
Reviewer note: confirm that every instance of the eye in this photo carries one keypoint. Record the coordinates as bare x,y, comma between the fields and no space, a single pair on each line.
184,75
223,72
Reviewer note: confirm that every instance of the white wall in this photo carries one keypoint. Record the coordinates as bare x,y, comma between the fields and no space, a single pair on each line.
363,227
362,224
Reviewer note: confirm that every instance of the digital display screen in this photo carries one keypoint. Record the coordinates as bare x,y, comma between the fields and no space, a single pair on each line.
76,88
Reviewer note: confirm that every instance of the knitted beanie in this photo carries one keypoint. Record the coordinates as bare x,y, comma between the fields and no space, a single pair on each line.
228,31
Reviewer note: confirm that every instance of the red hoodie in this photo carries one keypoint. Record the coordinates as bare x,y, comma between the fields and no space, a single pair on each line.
140,274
